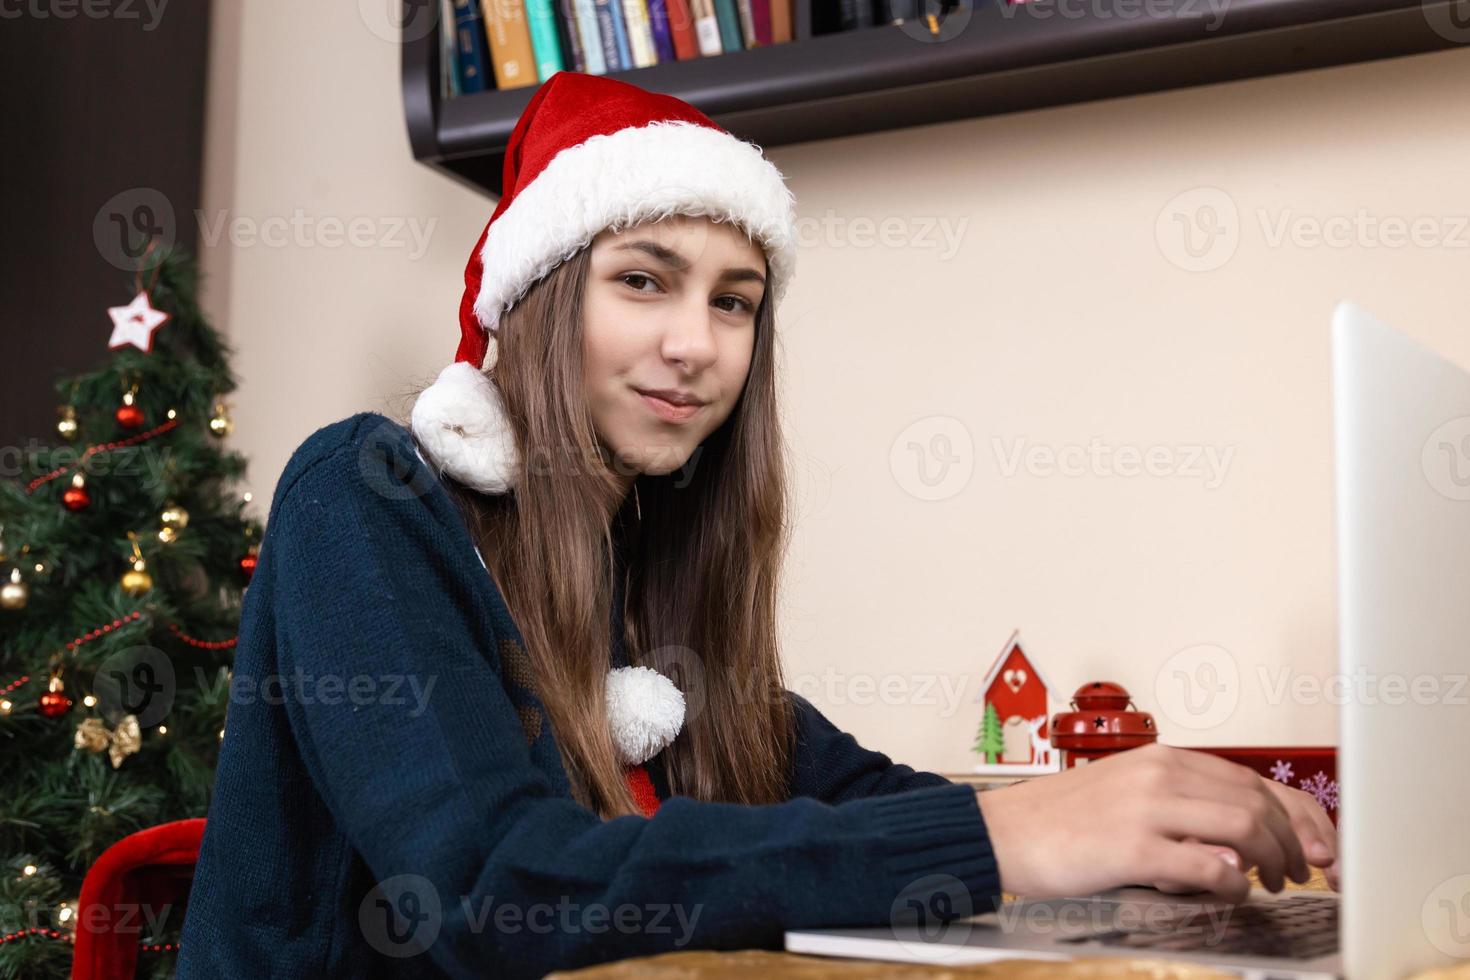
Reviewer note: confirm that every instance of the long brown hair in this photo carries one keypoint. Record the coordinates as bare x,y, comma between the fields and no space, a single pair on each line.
702,563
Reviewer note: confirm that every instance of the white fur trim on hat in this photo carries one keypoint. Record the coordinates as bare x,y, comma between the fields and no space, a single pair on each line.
461,421
617,180
644,711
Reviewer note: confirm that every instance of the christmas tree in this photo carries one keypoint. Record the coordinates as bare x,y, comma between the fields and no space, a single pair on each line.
124,556
990,741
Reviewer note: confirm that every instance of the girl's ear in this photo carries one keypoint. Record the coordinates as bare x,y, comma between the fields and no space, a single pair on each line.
461,421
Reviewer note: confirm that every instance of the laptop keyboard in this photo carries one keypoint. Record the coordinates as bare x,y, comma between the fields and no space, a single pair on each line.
1293,927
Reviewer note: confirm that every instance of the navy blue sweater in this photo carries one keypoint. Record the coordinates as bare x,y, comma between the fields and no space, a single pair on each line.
385,806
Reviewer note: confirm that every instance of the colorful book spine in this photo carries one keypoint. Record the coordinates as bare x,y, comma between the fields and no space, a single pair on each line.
568,36
610,22
760,12
592,45
640,36
663,38
681,25
707,27
545,45
472,61
781,21
747,23
729,21
510,43
449,60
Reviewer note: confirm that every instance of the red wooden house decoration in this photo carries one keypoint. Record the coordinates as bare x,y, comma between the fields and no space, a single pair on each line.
1021,696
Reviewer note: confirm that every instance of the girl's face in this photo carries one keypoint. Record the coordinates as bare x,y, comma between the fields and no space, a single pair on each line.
669,308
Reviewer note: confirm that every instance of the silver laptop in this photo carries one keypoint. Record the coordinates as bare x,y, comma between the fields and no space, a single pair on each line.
1401,421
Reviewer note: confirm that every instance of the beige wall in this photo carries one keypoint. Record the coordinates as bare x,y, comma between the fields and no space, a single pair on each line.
1064,311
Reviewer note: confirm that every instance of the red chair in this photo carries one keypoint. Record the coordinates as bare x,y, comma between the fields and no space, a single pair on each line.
148,870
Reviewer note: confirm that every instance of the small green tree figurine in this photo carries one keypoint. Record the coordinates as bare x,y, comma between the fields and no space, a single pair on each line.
990,742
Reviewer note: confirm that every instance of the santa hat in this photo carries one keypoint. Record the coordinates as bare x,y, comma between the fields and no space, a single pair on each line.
591,153
588,153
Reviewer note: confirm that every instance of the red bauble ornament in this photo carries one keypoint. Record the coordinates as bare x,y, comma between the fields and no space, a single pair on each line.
76,497
129,416
247,564
54,704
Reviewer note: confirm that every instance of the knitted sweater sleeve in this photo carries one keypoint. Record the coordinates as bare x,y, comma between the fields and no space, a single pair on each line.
503,873
831,766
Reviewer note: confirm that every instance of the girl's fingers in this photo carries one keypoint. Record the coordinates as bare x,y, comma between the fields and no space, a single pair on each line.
1191,865
1259,842
1201,787
1312,823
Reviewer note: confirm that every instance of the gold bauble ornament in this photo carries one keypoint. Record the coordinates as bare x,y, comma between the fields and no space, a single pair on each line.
220,424
136,581
15,593
175,517
66,426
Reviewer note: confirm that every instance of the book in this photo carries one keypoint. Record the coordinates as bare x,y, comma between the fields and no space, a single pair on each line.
545,45
471,59
510,43
640,34
729,24
706,27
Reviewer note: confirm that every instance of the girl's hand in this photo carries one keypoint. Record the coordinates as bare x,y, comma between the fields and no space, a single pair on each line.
1313,828
1153,815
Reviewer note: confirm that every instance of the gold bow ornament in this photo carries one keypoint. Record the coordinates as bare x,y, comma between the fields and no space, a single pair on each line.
120,743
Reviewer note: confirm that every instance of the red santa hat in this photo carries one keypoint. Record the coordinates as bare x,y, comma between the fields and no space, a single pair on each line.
588,153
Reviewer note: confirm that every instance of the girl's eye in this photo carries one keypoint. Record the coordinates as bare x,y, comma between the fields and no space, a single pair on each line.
741,302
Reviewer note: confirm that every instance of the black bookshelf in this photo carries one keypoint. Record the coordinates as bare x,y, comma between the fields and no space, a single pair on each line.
990,58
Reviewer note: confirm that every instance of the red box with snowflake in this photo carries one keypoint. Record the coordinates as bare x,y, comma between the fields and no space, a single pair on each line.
1313,769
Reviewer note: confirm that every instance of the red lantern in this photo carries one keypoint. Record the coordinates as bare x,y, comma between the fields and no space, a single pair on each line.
1099,724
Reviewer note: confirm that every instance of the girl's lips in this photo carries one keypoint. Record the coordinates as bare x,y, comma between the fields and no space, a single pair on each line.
668,411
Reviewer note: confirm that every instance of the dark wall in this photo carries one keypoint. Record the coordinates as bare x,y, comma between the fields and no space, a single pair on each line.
102,118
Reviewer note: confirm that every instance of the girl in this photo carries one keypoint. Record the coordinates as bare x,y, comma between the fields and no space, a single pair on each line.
507,696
